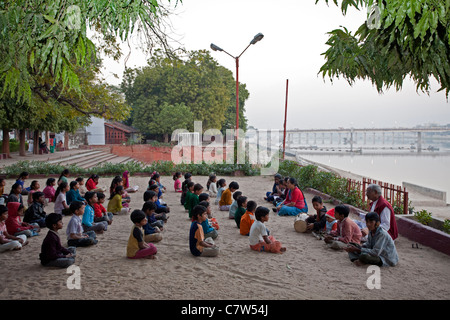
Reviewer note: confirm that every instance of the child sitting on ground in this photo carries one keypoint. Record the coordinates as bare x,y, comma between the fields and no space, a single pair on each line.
184,188
221,185
331,224
153,228
49,189
193,198
177,182
208,229
240,211
198,245
88,215
74,194
61,206
151,196
81,186
8,241
276,191
317,221
127,184
115,202
248,218
160,207
35,213
211,185
15,226
234,205
76,237
34,186
226,198
137,248
347,230
189,191
100,212
53,254
378,250
203,197
258,237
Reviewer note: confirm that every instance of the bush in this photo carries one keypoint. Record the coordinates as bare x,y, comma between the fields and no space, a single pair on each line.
163,167
14,145
424,217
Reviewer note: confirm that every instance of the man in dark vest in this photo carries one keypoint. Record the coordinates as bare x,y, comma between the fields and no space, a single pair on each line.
383,208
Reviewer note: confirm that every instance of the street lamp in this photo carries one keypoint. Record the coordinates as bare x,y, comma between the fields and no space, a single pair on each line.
255,39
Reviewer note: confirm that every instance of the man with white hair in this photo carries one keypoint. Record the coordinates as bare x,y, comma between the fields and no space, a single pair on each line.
383,208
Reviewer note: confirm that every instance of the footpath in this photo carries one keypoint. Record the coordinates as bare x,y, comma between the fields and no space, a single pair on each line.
82,157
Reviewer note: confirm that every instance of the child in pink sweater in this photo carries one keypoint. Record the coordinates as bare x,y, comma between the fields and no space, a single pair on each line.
347,231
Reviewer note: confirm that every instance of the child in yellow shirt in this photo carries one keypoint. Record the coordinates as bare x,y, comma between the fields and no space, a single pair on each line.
226,198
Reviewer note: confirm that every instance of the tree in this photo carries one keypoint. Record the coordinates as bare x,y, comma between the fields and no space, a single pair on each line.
173,117
44,43
401,38
199,82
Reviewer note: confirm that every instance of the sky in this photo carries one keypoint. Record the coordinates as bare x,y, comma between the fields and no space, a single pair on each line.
295,33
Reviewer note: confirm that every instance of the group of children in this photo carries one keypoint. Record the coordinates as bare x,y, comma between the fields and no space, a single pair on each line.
228,198
82,201
365,241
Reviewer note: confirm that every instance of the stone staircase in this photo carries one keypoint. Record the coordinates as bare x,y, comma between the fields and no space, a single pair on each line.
90,158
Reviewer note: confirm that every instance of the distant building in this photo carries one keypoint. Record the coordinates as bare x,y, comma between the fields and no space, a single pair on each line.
118,133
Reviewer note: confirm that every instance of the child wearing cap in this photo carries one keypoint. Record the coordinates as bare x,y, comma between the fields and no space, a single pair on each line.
331,224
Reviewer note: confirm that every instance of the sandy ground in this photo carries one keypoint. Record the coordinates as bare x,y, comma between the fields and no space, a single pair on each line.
307,270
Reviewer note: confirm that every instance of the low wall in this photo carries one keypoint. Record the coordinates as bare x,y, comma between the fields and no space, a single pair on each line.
423,234
147,153
142,152
432,193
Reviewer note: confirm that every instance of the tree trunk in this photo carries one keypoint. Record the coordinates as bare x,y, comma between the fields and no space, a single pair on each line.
166,137
22,146
36,142
66,140
5,146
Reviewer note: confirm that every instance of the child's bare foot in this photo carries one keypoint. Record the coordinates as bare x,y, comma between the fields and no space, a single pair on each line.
358,263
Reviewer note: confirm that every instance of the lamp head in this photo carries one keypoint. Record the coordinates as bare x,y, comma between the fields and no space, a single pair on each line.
215,48
257,38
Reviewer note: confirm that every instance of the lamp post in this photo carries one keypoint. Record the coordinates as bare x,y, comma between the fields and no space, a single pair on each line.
255,39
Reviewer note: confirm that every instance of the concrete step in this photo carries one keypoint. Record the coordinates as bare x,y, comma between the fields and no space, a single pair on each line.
76,158
96,161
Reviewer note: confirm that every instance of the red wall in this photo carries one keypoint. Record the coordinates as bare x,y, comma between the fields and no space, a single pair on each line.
147,154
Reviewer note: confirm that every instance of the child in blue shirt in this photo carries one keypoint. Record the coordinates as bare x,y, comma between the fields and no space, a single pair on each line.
152,230
89,213
208,229
74,193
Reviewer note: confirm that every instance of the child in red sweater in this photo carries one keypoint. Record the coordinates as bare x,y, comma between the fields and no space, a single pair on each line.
100,213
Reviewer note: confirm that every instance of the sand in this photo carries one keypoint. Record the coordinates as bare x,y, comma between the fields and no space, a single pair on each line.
307,270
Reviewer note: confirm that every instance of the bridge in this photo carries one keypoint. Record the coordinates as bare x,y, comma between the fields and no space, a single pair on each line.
350,135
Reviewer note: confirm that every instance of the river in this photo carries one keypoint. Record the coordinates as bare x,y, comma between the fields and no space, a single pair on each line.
428,170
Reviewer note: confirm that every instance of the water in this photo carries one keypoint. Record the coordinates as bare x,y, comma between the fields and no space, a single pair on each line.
431,171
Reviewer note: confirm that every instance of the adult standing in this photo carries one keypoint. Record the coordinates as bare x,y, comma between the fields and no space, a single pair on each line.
294,203
384,210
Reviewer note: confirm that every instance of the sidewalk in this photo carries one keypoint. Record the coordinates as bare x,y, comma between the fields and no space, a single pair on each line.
39,157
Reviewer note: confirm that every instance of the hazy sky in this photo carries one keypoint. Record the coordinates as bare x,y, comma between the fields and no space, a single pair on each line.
294,39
